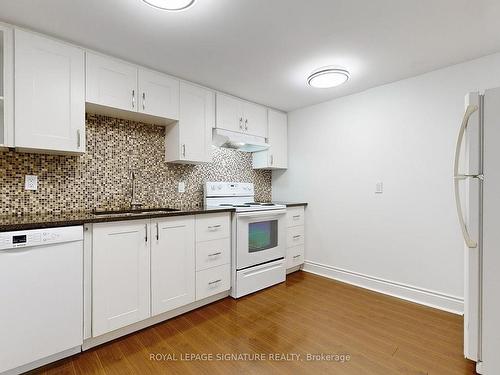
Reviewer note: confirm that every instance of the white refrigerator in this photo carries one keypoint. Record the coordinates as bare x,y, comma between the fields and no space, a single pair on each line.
477,194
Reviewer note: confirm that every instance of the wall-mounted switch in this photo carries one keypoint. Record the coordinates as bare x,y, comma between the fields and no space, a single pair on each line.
30,182
379,188
182,187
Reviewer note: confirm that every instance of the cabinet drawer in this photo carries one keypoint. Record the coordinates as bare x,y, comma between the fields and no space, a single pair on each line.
295,236
212,226
294,216
212,281
213,253
294,256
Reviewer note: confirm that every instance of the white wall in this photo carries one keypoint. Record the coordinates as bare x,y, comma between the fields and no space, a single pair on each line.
405,241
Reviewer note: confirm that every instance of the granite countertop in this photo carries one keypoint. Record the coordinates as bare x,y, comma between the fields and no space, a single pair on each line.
65,219
291,204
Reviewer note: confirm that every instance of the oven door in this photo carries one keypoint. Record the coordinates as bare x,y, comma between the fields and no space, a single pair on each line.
260,237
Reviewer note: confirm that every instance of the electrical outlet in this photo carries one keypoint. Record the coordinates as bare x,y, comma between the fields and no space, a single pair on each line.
30,182
182,187
379,188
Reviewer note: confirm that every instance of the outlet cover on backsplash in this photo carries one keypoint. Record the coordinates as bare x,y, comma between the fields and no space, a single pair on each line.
101,178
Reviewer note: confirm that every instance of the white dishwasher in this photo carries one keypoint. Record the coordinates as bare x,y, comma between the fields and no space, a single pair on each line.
41,296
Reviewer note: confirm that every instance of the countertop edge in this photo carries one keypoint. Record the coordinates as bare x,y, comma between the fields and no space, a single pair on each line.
104,219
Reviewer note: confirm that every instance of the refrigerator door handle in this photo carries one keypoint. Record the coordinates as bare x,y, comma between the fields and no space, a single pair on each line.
471,108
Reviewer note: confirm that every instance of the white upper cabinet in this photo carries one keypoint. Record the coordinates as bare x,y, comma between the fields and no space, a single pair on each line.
118,85
6,87
275,157
173,266
190,139
241,116
229,113
111,83
255,122
49,105
158,94
121,274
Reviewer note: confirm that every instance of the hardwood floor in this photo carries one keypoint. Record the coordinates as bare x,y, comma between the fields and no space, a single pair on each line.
307,314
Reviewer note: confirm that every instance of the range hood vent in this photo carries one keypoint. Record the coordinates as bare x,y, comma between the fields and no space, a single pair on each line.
238,141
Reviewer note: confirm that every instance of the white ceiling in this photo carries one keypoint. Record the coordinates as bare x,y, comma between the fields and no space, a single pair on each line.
263,50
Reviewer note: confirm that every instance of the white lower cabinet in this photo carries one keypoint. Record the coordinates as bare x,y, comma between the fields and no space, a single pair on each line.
121,274
213,254
172,263
295,237
141,269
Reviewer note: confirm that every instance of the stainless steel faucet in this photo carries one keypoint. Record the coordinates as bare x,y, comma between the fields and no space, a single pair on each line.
133,203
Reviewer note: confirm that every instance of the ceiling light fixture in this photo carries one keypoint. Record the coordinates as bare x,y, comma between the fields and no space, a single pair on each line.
171,5
326,77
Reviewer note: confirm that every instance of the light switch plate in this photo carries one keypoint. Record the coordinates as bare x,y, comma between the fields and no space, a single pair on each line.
182,187
30,182
379,188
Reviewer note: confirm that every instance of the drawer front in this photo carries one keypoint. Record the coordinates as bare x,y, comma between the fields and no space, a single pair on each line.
295,236
294,216
294,256
213,253
212,226
259,277
212,281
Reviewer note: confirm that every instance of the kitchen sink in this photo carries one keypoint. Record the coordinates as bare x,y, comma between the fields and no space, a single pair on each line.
139,211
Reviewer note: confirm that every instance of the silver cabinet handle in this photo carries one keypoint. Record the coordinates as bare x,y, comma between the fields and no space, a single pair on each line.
133,98
143,101
272,159
214,227
184,150
457,177
296,236
296,217
246,124
296,256
241,123
215,254
214,282
78,138
146,231
157,232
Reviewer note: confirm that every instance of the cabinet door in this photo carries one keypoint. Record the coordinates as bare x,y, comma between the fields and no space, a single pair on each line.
158,94
49,105
121,277
172,263
111,83
6,87
255,119
229,113
277,139
197,116
276,156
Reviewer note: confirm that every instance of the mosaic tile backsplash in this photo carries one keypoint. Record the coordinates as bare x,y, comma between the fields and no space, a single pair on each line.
101,178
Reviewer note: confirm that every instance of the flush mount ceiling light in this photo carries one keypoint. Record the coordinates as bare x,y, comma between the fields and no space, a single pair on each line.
324,78
171,5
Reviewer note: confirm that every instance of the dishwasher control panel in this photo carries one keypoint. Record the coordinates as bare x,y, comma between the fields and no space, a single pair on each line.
38,237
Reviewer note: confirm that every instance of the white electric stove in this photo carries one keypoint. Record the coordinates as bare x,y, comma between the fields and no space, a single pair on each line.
258,236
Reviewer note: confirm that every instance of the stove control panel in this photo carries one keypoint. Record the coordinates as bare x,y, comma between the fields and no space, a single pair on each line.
229,189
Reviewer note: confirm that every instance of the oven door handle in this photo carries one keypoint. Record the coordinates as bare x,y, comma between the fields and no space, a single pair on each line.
270,213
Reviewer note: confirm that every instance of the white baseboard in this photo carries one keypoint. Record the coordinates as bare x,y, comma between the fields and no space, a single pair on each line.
422,296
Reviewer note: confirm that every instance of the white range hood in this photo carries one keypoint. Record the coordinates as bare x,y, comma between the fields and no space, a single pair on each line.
238,141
